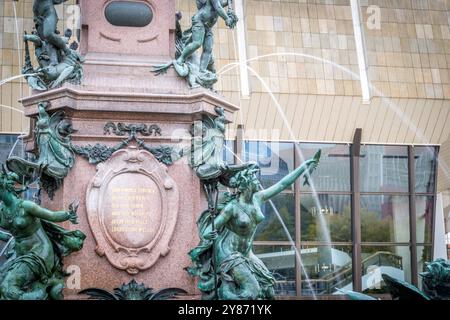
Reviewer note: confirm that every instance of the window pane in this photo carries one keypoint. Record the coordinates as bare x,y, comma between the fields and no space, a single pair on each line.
280,260
271,229
425,165
276,160
384,218
326,268
7,143
424,218
228,152
424,254
325,218
384,168
333,172
394,261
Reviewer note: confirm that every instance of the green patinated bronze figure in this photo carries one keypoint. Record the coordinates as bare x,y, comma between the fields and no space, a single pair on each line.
207,146
199,71
55,156
57,62
224,260
100,153
436,280
36,246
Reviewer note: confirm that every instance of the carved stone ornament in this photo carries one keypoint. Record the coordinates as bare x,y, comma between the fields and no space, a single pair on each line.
132,208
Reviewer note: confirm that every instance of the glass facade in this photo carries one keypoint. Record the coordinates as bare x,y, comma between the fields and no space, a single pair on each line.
307,239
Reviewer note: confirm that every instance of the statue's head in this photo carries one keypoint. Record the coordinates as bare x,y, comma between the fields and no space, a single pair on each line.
8,180
65,128
220,111
43,105
246,180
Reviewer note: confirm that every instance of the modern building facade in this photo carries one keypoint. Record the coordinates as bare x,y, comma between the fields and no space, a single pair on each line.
365,81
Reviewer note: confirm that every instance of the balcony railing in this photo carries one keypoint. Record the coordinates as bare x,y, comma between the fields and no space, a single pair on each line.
339,278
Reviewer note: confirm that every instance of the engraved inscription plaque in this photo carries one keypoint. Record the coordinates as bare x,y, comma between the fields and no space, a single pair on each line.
132,209
132,206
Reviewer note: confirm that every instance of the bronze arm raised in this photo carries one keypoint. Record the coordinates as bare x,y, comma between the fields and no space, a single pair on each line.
307,167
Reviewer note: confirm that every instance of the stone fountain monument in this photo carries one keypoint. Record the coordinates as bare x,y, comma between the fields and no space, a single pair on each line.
139,198
132,145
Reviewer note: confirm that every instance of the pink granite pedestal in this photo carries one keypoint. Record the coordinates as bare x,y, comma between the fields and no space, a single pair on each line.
151,245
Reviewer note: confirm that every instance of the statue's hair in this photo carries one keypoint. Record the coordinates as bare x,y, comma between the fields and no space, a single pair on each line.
243,179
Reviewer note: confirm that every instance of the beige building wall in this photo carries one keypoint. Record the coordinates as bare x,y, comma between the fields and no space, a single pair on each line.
408,61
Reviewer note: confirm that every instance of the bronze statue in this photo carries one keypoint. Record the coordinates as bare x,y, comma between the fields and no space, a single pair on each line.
57,62
55,154
34,269
436,280
224,260
46,21
208,144
199,71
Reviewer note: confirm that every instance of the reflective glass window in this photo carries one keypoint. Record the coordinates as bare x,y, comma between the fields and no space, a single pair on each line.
280,260
384,168
384,218
325,218
395,261
333,173
425,165
424,218
271,228
326,269
276,160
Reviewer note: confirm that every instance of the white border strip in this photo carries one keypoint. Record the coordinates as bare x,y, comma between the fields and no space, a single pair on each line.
242,49
360,50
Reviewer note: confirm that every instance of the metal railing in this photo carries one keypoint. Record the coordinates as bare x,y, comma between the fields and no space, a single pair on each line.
342,277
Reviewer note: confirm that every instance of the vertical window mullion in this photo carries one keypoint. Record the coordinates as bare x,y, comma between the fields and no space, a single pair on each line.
412,214
298,224
433,219
356,212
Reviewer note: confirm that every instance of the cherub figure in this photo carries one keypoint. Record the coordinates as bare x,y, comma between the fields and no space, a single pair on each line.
58,63
46,21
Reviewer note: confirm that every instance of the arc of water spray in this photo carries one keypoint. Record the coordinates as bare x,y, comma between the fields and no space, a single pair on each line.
16,77
16,110
6,246
405,119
